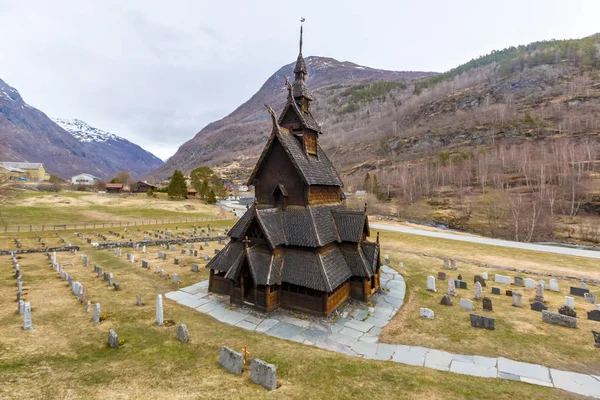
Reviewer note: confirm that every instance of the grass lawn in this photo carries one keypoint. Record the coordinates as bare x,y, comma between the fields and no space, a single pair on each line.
66,356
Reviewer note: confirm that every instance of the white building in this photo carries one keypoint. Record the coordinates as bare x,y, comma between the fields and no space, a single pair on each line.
84,179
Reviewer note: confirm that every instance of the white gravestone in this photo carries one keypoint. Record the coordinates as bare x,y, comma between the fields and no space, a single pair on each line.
159,311
554,285
27,325
466,304
88,306
451,287
477,291
517,299
431,284
570,302
529,283
484,275
175,279
96,314
427,313
502,279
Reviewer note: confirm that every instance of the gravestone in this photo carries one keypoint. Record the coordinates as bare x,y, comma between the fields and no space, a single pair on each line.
570,302
21,307
173,248
459,278
157,270
566,310
460,284
88,306
144,249
446,263
176,279
27,324
182,333
132,259
517,299
484,275
487,304
96,314
105,276
509,293
479,278
70,281
426,313
538,306
502,279
113,339
446,300
466,304
477,291
431,284
231,360
480,321
559,319
263,374
194,267
451,287
206,257
453,265
589,298
554,285
441,276
159,311
539,293
529,283
99,271
582,285
543,283
176,261
110,279
117,286
594,315
596,338
182,251
495,290
138,301
575,291
518,281
144,263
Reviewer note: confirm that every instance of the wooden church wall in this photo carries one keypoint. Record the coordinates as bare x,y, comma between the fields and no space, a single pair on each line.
277,168
323,194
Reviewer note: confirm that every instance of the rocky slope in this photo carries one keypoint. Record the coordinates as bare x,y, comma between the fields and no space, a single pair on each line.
27,134
117,153
242,133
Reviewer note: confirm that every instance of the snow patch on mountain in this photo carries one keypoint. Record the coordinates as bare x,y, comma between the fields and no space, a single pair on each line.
84,132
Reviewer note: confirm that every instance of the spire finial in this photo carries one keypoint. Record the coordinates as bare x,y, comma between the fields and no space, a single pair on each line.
290,89
272,112
301,21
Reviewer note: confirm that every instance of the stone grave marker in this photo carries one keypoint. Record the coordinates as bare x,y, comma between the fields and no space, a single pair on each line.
594,315
596,338
466,304
495,290
426,313
441,276
477,291
231,360
182,333
453,265
589,298
263,374
543,283
96,314
110,279
27,324
479,278
113,339
566,310
451,287
480,321
459,278
446,300
88,306
484,275
160,321
116,286
431,284
554,285
575,291
446,263
570,302
460,284
99,271
176,279
502,279
487,304
21,307
144,263
138,301
559,319
517,299
529,283
206,257
509,293
538,306
539,293
194,267
518,281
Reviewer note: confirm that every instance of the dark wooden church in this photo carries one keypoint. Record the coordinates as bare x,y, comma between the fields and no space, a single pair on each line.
297,247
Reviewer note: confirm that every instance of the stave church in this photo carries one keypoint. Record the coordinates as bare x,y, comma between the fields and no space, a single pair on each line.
297,247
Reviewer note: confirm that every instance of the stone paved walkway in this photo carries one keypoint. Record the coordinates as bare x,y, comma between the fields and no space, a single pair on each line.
356,332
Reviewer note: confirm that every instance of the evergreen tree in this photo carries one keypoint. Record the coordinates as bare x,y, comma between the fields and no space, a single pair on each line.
367,184
375,186
211,198
204,189
177,186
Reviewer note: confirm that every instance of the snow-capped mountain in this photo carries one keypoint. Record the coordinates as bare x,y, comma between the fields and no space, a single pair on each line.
128,156
84,132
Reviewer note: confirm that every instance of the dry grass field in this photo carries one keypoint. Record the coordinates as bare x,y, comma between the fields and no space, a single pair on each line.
67,356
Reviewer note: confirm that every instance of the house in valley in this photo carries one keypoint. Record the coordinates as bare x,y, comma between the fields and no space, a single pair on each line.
297,246
85,179
34,172
114,187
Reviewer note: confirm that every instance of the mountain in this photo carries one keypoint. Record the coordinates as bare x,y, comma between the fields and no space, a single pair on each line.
117,153
27,134
243,133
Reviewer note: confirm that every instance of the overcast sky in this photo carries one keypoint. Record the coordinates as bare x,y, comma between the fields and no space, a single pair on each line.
156,72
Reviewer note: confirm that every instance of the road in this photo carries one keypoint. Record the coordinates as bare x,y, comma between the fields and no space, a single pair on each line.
492,242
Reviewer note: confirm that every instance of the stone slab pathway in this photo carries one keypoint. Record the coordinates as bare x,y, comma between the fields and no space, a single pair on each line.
356,333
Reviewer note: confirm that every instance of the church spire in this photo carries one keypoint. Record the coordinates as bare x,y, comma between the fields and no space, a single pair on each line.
301,92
